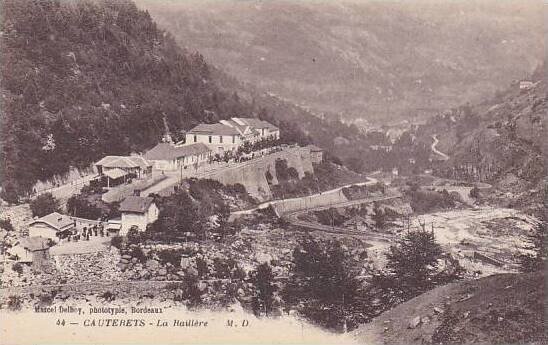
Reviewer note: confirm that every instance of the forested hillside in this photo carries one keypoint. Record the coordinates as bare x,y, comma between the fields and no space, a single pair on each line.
82,79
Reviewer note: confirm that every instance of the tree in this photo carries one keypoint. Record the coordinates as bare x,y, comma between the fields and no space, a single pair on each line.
263,279
323,285
412,268
179,215
378,216
475,192
44,204
9,193
535,260
79,206
6,224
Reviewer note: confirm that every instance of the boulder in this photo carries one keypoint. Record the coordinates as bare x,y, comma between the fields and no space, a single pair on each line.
202,286
414,322
185,263
262,258
152,264
162,272
126,256
124,261
192,271
134,260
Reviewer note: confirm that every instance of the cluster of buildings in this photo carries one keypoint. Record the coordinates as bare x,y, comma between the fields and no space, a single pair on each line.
46,231
201,143
207,140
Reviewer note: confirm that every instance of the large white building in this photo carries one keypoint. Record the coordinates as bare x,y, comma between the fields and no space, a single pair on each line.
228,135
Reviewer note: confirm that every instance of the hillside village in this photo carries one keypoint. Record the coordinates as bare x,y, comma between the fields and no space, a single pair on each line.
231,142
187,192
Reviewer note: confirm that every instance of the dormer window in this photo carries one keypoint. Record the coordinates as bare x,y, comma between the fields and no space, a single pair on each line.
210,139
195,138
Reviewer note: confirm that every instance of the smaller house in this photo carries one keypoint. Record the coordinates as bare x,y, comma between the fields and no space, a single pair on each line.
165,156
131,165
33,250
316,153
137,212
52,226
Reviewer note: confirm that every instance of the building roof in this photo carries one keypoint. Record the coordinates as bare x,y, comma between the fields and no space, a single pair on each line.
123,162
241,128
34,243
314,148
165,151
55,220
136,204
214,129
115,173
256,123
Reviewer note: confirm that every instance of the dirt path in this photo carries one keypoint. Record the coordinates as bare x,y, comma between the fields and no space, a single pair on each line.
435,150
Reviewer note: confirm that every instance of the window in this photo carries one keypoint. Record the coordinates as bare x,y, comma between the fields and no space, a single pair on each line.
262,131
210,139
195,138
221,139
234,139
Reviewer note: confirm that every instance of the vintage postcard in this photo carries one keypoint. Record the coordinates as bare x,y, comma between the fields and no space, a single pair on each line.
273,172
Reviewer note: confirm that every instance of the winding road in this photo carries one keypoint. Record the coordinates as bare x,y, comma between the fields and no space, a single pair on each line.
435,150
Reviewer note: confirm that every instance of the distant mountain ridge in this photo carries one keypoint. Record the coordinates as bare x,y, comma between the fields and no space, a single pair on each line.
377,60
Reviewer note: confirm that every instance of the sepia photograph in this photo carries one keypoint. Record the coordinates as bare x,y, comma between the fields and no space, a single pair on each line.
273,172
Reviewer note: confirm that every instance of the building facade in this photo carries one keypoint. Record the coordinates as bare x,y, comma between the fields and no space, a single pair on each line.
51,226
170,157
228,135
137,212
134,165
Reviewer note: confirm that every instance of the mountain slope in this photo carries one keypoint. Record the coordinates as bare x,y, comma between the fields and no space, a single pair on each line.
359,58
499,309
84,79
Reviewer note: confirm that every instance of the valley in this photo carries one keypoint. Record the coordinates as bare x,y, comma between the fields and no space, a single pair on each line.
206,172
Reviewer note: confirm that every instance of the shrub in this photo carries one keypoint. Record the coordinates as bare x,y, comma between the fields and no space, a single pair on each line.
263,280
172,256
134,236
108,296
6,225
475,192
222,268
117,241
138,253
15,302
201,267
79,206
44,204
17,267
